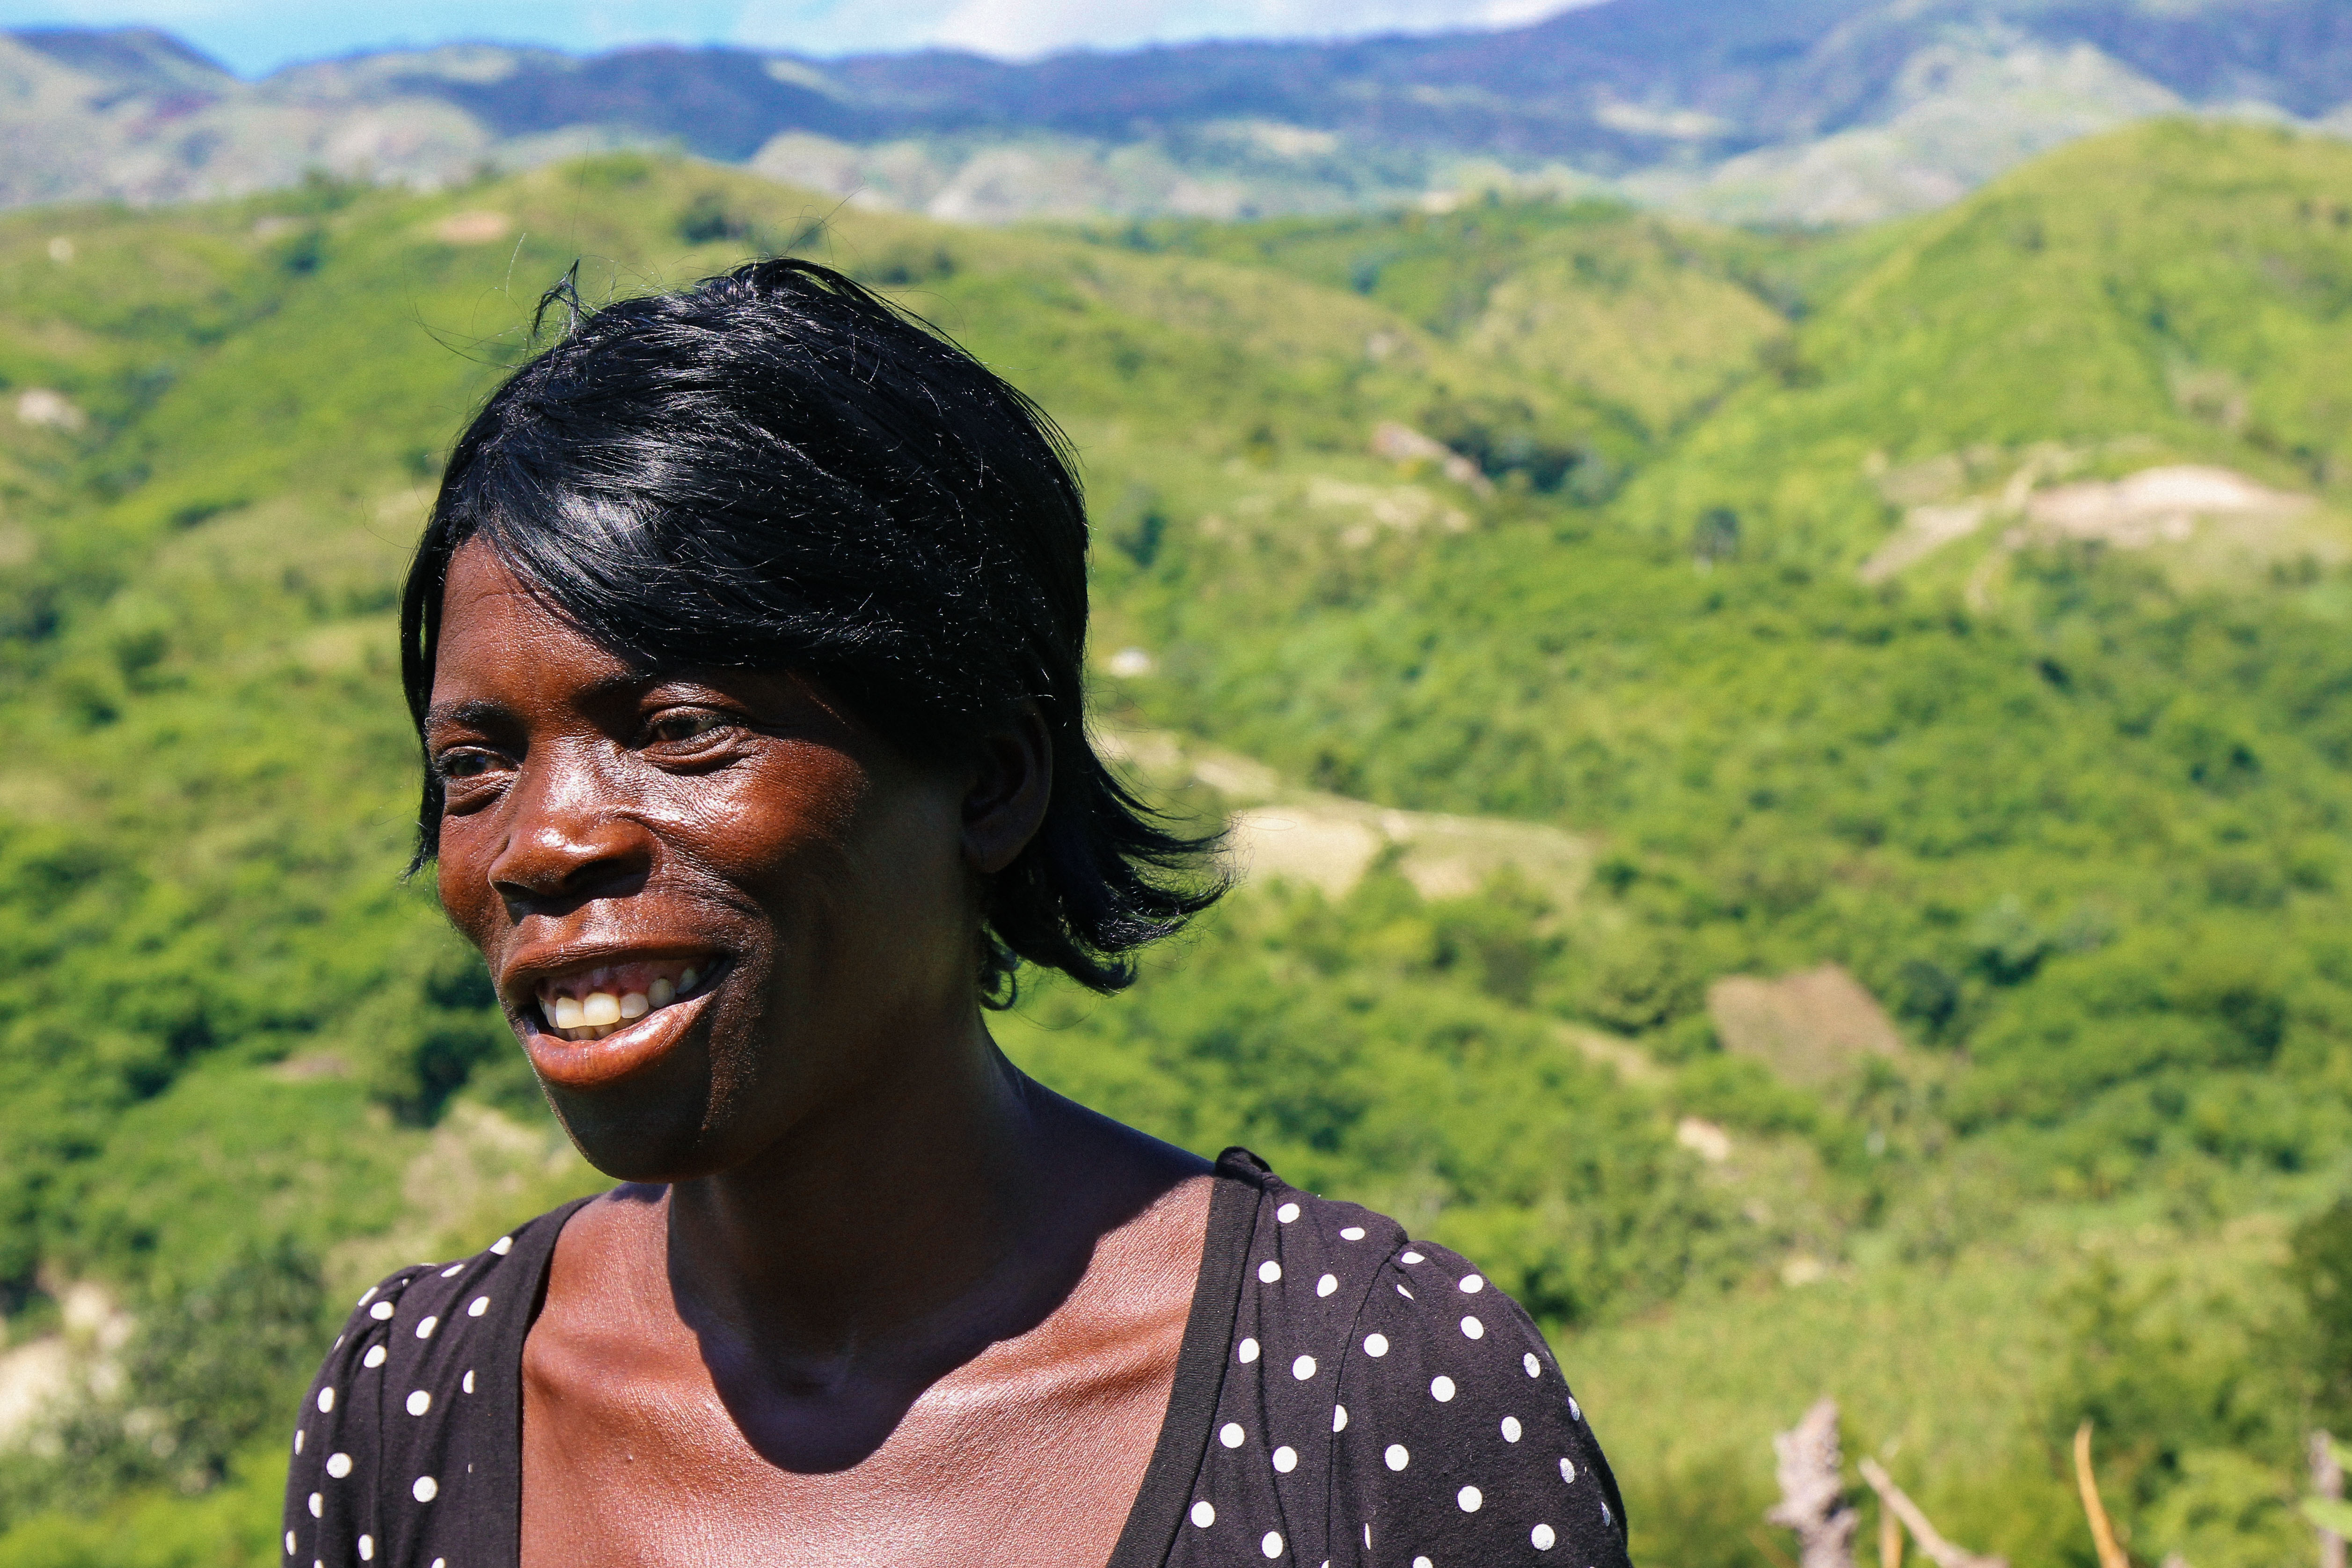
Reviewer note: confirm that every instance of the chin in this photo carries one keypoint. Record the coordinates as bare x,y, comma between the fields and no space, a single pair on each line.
638,1107
677,1115
653,1138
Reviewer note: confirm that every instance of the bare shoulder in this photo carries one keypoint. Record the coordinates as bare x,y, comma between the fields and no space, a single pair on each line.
609,1226
1139,1211
1148,1200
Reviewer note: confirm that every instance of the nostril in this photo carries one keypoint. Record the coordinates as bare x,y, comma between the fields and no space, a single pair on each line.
564,868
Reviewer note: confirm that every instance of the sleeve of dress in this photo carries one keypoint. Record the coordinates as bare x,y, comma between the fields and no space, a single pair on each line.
329,1505
1463,1443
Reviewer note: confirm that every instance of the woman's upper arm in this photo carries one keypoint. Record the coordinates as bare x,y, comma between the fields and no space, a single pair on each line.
1463,1442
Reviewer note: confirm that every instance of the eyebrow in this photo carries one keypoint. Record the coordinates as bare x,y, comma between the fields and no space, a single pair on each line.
475,712
482,713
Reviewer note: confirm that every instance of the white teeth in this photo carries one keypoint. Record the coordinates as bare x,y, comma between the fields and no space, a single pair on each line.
600,1012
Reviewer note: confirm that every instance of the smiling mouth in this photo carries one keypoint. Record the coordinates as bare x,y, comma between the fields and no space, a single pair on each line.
591,1003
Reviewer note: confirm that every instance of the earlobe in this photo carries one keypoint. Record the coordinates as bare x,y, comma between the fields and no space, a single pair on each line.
1013,780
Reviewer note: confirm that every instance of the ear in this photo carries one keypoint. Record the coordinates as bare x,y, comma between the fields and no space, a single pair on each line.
1012,779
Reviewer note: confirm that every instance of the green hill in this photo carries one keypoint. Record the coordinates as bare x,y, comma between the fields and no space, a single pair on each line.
1817,588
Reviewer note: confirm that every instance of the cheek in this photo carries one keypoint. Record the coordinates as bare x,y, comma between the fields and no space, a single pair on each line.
459,880
856,869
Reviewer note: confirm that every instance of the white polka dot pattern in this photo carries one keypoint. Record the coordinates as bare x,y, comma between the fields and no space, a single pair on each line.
1351,1398
385,1473
1364,1404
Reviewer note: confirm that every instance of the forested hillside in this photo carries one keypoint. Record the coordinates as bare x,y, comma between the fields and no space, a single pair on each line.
1602,622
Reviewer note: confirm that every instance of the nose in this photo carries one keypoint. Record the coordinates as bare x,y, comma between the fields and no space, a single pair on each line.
570,835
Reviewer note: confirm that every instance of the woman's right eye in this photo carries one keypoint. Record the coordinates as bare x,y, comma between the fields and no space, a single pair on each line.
454,765
686,724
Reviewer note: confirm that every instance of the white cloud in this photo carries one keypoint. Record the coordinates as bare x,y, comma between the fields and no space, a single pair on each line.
1023,29
256,34
838,26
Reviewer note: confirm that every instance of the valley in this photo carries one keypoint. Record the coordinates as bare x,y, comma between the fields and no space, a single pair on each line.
1791,789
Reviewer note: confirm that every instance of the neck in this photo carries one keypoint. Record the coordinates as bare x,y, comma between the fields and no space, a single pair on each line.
905,1213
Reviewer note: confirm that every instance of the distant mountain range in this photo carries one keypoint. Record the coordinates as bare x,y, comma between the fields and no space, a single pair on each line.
1795,111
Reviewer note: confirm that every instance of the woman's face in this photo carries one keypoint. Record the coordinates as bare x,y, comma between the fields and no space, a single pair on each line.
713,902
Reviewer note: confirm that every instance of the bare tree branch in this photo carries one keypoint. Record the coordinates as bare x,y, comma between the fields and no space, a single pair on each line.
2327,1480
1940,1550
2103,1534
1812,1490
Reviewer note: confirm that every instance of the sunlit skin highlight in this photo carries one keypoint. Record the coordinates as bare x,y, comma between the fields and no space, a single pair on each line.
870,1294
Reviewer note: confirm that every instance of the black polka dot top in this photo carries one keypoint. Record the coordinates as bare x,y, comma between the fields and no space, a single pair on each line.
1344,1396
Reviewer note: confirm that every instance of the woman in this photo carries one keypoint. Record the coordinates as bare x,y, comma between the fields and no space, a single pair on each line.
745,647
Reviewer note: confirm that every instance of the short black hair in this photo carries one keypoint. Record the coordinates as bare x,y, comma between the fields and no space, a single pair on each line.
776,470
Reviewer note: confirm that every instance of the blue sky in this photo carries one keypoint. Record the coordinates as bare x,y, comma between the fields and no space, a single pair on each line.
254,35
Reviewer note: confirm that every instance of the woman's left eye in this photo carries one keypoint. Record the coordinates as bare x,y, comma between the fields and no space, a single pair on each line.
686,724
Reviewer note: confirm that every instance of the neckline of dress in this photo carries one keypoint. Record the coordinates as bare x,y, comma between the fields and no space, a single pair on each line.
1155,1518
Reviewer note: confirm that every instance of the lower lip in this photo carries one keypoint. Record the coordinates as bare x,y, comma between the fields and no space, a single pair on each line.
594,1063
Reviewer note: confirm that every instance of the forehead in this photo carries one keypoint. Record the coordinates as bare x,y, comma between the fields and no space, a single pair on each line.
504,655
498,637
